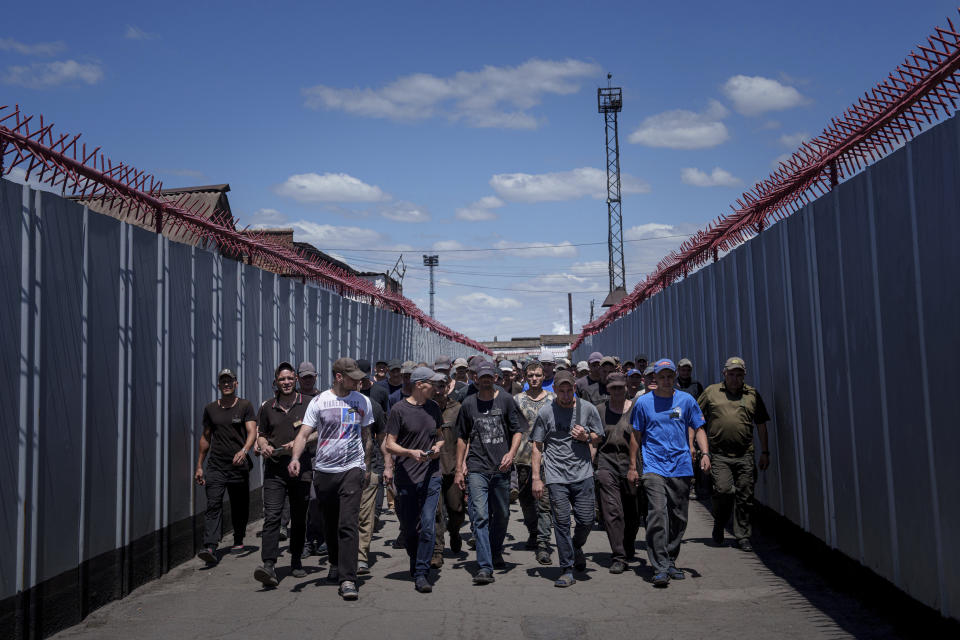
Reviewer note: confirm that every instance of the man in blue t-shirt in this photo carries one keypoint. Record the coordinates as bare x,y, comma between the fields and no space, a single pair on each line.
662,420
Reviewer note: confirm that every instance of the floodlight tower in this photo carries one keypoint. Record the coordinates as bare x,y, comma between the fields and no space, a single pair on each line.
610,103
431,261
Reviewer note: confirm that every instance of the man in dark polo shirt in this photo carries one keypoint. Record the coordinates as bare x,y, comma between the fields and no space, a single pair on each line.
490,426
278,424
413,436
394,379
731,408
380,370
406,370
229,431
589,387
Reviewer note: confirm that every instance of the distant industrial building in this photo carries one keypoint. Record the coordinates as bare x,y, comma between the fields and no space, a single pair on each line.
514,348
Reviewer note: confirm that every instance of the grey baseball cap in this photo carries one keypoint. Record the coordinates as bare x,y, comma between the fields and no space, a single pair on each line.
306,369
426,374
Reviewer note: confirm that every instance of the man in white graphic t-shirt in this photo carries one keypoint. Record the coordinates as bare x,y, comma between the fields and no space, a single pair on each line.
342,416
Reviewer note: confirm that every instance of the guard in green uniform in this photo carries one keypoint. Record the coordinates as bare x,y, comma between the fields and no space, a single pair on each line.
731,409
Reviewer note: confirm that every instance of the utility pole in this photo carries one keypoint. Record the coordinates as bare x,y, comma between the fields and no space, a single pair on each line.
591,310
610,103
431,261
570,310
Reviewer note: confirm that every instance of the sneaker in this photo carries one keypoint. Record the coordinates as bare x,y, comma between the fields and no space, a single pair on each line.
308,550
348,590
744,544
717,533
284,534
298,572
531,543
238,547
333,575
499,562
579,561
514,494
322,549
483,577
398,543
566,580
437,561
208,555
456,542
472,543
618,566
266,575
423,585
675,574
363,568
543,557
662,579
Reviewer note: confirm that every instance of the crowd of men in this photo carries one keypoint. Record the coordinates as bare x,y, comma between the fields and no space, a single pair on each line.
449,442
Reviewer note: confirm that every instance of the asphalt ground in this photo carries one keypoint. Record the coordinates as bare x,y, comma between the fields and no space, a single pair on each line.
728,593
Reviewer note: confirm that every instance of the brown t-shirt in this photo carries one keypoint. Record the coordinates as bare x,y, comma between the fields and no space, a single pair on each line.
529,408
228,434
730,418
448,431
613,454
279,427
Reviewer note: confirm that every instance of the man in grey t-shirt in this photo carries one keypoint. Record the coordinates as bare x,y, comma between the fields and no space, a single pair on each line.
562,435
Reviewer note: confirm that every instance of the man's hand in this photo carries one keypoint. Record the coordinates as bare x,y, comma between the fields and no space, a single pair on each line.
579,433
240,458
198,476
633,477
537,489
366,480
506,461
267,451
417,455
705,463
294,468
387,475
764,461
460,480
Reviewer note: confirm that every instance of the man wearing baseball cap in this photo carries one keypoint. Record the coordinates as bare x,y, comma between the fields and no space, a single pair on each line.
394,379
406,370
661,420
731,408
591,387
341,417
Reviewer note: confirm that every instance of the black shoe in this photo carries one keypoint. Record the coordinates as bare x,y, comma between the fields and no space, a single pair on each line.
308,550
675,574
472,543
531,542
744,544
543,557
322,549
661,579
298,572
579,561
208,555
266,575
499,562
483,577
456,542
333,575
284,534
398,543
618,566
348,590
717,533
423,585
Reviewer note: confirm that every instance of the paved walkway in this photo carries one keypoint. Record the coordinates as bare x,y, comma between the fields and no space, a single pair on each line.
727,594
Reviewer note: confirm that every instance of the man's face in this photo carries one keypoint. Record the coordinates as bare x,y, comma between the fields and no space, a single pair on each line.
507,378
380,370
606,369
227,385
286,381
650,381
733,379
396,376
535,377
440,390
685,372
641,365
365,384
308,383
406,379
485,383
347,383
595,370
617,393
426,388
460,375
548,368
665,379
564,394
634,382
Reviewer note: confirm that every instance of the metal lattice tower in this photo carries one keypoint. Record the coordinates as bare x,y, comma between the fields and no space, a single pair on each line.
431,261
610,103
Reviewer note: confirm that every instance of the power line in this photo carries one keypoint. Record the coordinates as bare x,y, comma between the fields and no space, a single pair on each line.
521,248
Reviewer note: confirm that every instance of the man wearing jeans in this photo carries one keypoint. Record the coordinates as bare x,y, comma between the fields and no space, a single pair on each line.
342,418
491,426
562,435
661,420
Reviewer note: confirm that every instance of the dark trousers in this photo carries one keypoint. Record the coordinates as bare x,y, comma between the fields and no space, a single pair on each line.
733,480
277,487
453,506
239,492
667,501
489,508
536,513
314,520
619,510
576,497
339,497
417,509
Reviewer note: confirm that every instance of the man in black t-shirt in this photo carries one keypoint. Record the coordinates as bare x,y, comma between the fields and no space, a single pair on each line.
313,544
491,426
373,491
229,430
394,379
413,436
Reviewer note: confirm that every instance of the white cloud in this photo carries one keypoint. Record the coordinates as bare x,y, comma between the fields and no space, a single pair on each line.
770,124
650,230
591,268
563,249
486,300
482,209
329,187
326,236
447,245
19,175
136,33
682,129
794,139
42,75
492,97
36,49
562,185
716,178
266,217
405,212
753,95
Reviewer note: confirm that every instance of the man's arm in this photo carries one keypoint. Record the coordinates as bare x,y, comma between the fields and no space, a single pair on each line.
536,484
240,457
632,475
299,444
704,449
202,455
461,460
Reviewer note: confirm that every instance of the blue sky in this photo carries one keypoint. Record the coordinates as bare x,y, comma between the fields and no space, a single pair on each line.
413,126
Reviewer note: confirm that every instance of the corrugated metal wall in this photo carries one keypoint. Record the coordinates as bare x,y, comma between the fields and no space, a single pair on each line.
846,314
112,337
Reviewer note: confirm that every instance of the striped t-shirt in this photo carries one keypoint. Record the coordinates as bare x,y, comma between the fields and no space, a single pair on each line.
338,422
